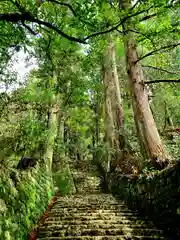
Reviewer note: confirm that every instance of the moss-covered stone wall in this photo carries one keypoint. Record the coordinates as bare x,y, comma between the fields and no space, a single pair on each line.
23,198
156,194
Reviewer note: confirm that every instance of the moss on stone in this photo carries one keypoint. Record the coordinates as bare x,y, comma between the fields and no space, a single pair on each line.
22,200
157,194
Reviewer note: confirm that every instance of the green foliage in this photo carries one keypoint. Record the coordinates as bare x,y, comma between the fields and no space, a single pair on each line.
78,67
22,205
78,89
63,181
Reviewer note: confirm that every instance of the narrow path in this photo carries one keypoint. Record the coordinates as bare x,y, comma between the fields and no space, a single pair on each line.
91,214
95,216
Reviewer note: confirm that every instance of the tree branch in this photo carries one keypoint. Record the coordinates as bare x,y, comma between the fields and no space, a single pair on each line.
102,32
163,80
155,14
143,34
159,69
119,31
48,52
118,25
68,98
148,17
157,50
29,29
64,4
137,2
72,10
51,26
19,7
11,17
16,17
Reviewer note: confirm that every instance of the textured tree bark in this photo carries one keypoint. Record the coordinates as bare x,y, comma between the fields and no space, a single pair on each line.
108,119
140,137
97,117
52,132
114,115
52,129
149,135
167,118
96,129
117,107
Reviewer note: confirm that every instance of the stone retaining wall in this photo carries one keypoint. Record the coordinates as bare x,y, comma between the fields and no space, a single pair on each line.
23,198
156,194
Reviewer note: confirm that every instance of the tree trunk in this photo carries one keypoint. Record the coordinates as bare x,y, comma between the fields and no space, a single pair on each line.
116,100
167,118
52,128
114,115
97,117
146,125
108,119
66,137
140,137
96,127
60,135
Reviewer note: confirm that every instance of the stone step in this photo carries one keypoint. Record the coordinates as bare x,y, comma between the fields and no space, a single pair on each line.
87,201
98,232
84,204
100,224
119,237
84,191
92,207
91,217
94,210
56,212
95,221
104,196
90,189
95,216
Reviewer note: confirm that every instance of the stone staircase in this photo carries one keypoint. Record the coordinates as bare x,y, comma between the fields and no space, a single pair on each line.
95,216
91,214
